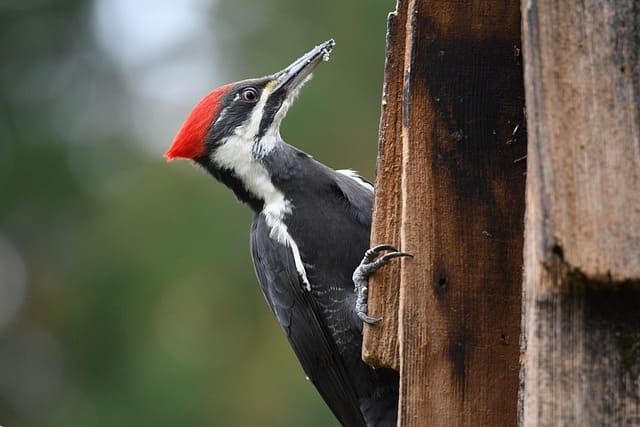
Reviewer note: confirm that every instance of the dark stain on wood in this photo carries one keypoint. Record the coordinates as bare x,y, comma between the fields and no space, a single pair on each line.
458,355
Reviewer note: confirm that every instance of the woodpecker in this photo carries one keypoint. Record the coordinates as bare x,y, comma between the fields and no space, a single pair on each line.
309,233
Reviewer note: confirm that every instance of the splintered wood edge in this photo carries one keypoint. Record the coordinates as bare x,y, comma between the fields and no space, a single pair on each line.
380,341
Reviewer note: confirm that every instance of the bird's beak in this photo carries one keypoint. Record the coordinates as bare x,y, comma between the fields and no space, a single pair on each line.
298,72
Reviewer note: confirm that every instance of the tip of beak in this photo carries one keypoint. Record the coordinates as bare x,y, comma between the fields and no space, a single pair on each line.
297,73
327,48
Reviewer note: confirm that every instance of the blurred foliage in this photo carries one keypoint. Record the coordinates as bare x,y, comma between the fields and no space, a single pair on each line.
140,306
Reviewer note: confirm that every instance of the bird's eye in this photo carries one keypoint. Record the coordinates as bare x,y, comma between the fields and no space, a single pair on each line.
249,95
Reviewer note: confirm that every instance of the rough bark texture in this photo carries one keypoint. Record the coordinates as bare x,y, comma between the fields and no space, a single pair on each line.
462,204
581,319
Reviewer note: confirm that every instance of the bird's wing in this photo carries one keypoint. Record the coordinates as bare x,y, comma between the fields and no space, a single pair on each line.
359,194
297,313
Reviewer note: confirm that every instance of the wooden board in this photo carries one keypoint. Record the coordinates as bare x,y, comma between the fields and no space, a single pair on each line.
581,343
461,212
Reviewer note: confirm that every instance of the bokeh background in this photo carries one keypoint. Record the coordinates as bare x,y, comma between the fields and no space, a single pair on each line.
127,295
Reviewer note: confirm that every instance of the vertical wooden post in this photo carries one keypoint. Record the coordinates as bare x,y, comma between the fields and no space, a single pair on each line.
581,346
453,129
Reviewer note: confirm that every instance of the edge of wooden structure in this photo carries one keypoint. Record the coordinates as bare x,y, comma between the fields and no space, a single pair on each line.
380,344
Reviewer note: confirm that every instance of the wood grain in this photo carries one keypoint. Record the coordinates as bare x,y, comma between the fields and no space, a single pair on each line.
581,324
583,98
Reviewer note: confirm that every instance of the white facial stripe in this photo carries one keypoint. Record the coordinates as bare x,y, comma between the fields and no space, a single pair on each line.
250,129
238,153
272,135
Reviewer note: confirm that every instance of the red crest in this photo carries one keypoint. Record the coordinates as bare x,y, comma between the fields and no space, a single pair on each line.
189,143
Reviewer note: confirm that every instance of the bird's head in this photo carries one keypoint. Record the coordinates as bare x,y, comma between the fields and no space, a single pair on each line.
242,119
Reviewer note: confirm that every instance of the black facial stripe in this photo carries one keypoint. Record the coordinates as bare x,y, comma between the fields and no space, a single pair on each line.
231,118
235,111
270,110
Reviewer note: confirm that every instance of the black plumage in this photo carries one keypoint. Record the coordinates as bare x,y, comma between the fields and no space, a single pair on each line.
310,231
321,325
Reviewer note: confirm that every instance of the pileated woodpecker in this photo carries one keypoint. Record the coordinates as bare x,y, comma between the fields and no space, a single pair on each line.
310,230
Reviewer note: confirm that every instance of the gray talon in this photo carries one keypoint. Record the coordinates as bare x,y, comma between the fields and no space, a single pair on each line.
372,253
369,264
385,259
367,319
377,249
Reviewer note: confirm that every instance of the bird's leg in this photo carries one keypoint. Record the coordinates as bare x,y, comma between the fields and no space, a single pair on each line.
369,264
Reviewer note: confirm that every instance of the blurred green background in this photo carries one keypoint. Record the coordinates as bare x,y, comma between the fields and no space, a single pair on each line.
127,295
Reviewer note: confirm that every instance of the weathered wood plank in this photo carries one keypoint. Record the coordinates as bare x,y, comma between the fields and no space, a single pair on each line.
462,215
583,98
581,320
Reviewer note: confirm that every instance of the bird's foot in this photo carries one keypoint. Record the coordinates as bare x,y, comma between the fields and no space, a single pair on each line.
371,262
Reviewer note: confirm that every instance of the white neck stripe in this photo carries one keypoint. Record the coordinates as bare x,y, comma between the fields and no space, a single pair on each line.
241,154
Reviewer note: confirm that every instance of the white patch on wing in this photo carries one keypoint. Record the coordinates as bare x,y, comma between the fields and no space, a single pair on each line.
357,178
274,213
297,259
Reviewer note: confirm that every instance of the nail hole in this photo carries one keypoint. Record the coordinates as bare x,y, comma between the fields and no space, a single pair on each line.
557,250
442,281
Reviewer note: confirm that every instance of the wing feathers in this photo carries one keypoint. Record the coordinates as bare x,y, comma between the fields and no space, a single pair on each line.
297,314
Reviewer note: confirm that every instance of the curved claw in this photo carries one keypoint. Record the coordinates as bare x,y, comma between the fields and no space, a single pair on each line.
368,319
370,263
392,255
379,248
372,254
